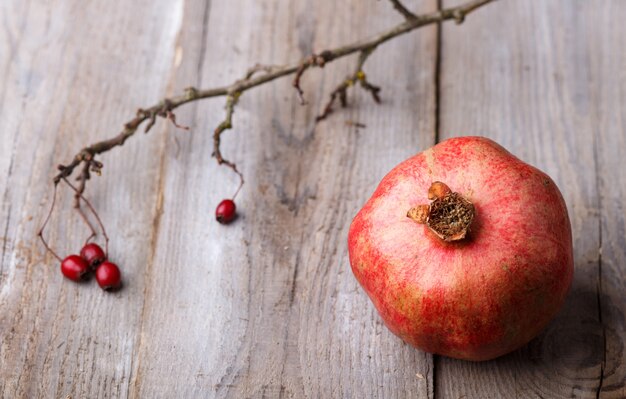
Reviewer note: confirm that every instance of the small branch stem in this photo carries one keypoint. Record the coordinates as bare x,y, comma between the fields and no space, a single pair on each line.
397,4
341,91
88,223
313,60
260,68
231,101
45,223
93,211
82,179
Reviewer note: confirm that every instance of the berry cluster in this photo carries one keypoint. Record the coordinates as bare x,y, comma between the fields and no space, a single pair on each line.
92,257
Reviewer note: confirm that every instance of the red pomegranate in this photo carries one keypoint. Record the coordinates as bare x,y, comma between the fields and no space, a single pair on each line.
465,250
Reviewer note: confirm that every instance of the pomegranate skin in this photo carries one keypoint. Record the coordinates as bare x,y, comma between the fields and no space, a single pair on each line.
480,297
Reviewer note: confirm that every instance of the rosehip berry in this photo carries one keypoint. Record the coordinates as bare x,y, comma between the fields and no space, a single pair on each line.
93,254
74,267
226,211
108,276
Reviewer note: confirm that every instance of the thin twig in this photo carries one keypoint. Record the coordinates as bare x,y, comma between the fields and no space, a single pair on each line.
172,117
318,60
260,68
356,124
227,123
45,223
341,91
397,4
93,211
88,223
82,180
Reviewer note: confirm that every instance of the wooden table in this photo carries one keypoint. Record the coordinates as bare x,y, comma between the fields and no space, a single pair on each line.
268,306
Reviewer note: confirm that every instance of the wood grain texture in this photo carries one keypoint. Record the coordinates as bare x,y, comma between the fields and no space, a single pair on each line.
608,114
73,71
542,83
268,307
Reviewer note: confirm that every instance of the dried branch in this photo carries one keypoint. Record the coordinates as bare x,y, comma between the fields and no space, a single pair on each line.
93,211
312,60
260,68
82,180
397,4
79,196
231,101
341,91
165,108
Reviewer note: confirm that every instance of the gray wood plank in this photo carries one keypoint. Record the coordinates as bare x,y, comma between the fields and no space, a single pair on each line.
268,306
74,72
608,113
265,307
538,78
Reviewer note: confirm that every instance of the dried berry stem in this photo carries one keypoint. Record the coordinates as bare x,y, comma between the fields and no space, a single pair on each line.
85,219
93,211
45,223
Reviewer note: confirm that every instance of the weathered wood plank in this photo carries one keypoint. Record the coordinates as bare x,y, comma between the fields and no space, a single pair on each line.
74,70
265,307
268,306
607,65
539,78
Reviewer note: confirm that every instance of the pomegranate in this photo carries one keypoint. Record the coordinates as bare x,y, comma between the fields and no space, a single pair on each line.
465,250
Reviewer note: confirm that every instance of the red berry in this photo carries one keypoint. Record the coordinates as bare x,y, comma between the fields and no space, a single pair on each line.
93,254
108,276
226,211
74,267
